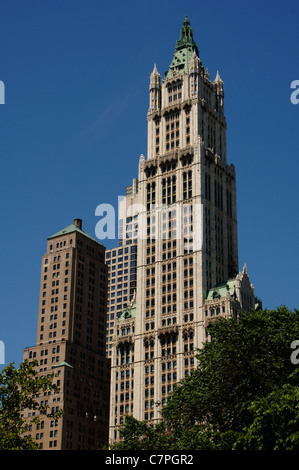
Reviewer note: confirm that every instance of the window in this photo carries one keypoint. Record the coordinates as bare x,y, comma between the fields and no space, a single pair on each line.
187,184
172,131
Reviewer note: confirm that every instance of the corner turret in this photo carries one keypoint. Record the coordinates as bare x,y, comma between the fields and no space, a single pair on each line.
155,90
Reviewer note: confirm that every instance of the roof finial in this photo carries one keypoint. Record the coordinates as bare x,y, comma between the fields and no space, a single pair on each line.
218,79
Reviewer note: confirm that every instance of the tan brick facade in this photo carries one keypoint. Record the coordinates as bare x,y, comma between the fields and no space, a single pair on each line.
71,341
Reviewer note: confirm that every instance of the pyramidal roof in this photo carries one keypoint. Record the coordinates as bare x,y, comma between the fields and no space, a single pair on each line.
75,227
184,50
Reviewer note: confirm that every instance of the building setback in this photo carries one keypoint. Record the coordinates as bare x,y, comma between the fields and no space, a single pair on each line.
187,247
122,264
71,342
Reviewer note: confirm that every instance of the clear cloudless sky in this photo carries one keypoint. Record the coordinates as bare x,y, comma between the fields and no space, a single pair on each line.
74,124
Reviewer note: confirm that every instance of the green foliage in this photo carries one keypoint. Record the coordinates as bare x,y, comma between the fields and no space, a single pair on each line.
17,390
138,435
243,395
274,421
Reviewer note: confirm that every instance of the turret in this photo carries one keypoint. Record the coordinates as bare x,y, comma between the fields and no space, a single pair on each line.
155,90
219,93
194,70
194,63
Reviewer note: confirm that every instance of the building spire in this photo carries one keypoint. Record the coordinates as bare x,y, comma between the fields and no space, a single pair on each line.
155,76
186,37
185,47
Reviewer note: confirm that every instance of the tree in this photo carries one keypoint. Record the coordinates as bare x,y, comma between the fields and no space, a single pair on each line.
138,435
244,378
18,387
275,420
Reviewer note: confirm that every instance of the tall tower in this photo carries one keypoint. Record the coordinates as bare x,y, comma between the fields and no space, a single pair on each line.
71,341
187,256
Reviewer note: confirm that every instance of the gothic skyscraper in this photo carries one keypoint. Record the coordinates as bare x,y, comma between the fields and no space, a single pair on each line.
187,248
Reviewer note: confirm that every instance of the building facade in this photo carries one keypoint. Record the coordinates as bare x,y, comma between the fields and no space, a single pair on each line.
187,243
71,342
122,263
122,272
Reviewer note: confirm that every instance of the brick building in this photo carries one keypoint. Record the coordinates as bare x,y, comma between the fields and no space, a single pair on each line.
71,341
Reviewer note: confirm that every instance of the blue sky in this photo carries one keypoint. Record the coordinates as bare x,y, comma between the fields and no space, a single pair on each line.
73,126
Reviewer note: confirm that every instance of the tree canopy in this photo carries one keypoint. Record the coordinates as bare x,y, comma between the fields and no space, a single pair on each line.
18,389
243,395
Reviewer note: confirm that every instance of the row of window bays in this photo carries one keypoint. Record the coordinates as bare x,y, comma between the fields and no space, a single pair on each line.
218,184
173,129
166,367
167,343
174,89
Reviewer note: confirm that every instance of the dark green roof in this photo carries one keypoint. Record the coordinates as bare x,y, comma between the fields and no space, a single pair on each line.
184,49
64,363
221,290
129,312
70,229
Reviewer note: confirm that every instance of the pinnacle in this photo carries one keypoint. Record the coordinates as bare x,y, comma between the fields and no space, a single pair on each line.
218,79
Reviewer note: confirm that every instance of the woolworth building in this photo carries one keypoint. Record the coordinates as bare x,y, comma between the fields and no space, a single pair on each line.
187,248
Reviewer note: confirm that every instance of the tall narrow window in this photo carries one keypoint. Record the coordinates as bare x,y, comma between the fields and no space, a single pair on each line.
187,184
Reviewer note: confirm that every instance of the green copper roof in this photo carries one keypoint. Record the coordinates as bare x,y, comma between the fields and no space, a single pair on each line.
64,363
221,290
184,49
129,312
70,229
